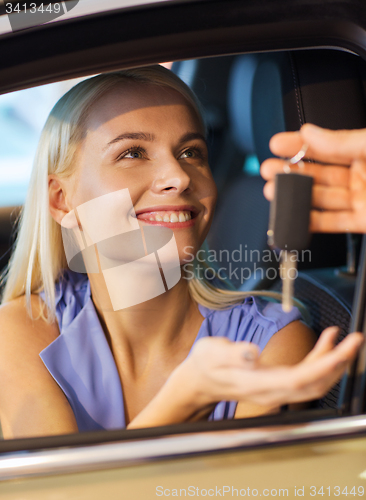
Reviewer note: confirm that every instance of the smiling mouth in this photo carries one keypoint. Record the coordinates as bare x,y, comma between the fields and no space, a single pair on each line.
167,216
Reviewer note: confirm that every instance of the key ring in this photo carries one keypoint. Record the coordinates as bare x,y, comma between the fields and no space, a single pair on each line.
297,159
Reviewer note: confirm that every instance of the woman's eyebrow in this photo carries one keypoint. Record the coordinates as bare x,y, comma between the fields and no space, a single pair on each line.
140,136
191,136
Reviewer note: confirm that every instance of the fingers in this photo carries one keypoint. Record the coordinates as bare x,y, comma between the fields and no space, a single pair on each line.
313,379
328,198
248,354
324,344
331,198
240,354
347,349
339,146
332,364
336,222
310,379
286,144
334,146
232,373
220,352
269,190
327,175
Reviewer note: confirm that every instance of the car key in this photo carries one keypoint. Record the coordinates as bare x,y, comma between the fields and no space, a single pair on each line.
289,223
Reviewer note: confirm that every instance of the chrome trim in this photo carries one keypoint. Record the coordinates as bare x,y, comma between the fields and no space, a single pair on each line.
118,454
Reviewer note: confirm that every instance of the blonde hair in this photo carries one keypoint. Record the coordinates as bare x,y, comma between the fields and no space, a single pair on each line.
38,259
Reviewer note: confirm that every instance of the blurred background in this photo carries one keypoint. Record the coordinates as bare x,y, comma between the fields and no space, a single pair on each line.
22,116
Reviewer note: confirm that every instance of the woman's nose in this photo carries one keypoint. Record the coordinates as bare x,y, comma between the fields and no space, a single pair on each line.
172,177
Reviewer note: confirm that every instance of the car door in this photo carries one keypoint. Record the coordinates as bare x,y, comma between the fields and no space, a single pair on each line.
317,452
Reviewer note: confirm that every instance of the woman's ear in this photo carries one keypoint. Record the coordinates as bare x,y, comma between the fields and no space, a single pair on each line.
57,198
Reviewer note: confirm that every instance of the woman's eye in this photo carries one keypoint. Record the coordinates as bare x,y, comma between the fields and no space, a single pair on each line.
131,154
134,154
191,153
188,154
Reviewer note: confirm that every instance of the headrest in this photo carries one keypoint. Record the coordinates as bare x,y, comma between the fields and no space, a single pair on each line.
324,87
196,73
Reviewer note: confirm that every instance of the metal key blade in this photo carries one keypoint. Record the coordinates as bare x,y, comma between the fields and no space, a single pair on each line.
287,274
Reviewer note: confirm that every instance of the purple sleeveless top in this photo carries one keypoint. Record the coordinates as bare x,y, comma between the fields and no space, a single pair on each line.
82,364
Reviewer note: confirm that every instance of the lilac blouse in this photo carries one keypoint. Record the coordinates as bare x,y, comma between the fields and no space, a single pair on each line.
82,364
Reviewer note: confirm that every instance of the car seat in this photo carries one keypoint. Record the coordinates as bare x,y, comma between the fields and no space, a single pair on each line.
241,218
209,80
223,86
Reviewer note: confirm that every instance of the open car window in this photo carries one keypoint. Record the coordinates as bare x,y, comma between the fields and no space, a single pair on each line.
239,109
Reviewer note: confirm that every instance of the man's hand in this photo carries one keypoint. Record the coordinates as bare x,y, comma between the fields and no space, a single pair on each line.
339,191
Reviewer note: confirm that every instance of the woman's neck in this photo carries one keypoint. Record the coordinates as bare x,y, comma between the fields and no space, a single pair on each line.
162,328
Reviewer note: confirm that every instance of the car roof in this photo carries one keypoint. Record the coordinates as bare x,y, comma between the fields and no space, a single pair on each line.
79,8
172,30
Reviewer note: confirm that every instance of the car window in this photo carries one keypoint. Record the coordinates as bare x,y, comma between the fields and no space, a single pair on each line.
22,116
236,249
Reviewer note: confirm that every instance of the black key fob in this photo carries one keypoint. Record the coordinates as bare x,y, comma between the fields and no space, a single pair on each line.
290,212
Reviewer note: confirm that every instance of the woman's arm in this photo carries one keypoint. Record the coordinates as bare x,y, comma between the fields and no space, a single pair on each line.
219,370
31,403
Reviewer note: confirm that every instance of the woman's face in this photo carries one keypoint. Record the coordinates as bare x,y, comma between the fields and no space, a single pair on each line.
148,139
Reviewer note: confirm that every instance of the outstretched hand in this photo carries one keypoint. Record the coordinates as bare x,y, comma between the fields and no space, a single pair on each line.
225,373
339,189
219,369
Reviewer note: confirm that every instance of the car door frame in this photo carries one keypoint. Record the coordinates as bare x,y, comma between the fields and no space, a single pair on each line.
172,30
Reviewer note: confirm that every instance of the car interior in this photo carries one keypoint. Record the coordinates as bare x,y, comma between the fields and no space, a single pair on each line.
265,94
246,99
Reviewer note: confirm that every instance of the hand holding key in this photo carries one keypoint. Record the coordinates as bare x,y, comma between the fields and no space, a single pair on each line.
289,221
339,181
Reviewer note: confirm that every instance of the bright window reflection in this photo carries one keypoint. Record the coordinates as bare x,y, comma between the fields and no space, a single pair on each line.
22,116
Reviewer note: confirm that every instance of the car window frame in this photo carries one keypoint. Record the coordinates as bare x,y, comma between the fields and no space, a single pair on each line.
289,35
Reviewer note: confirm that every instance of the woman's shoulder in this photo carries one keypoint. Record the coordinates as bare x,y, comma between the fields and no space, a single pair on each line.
20,330
26,384
257,308
255,319
71,291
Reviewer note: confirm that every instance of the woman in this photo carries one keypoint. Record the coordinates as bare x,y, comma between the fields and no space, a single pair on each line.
175,357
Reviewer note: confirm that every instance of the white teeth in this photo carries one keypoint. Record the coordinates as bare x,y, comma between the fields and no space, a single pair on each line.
172,218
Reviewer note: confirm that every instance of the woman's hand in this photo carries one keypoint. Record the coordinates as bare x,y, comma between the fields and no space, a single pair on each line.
219,369
225,371
339,187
